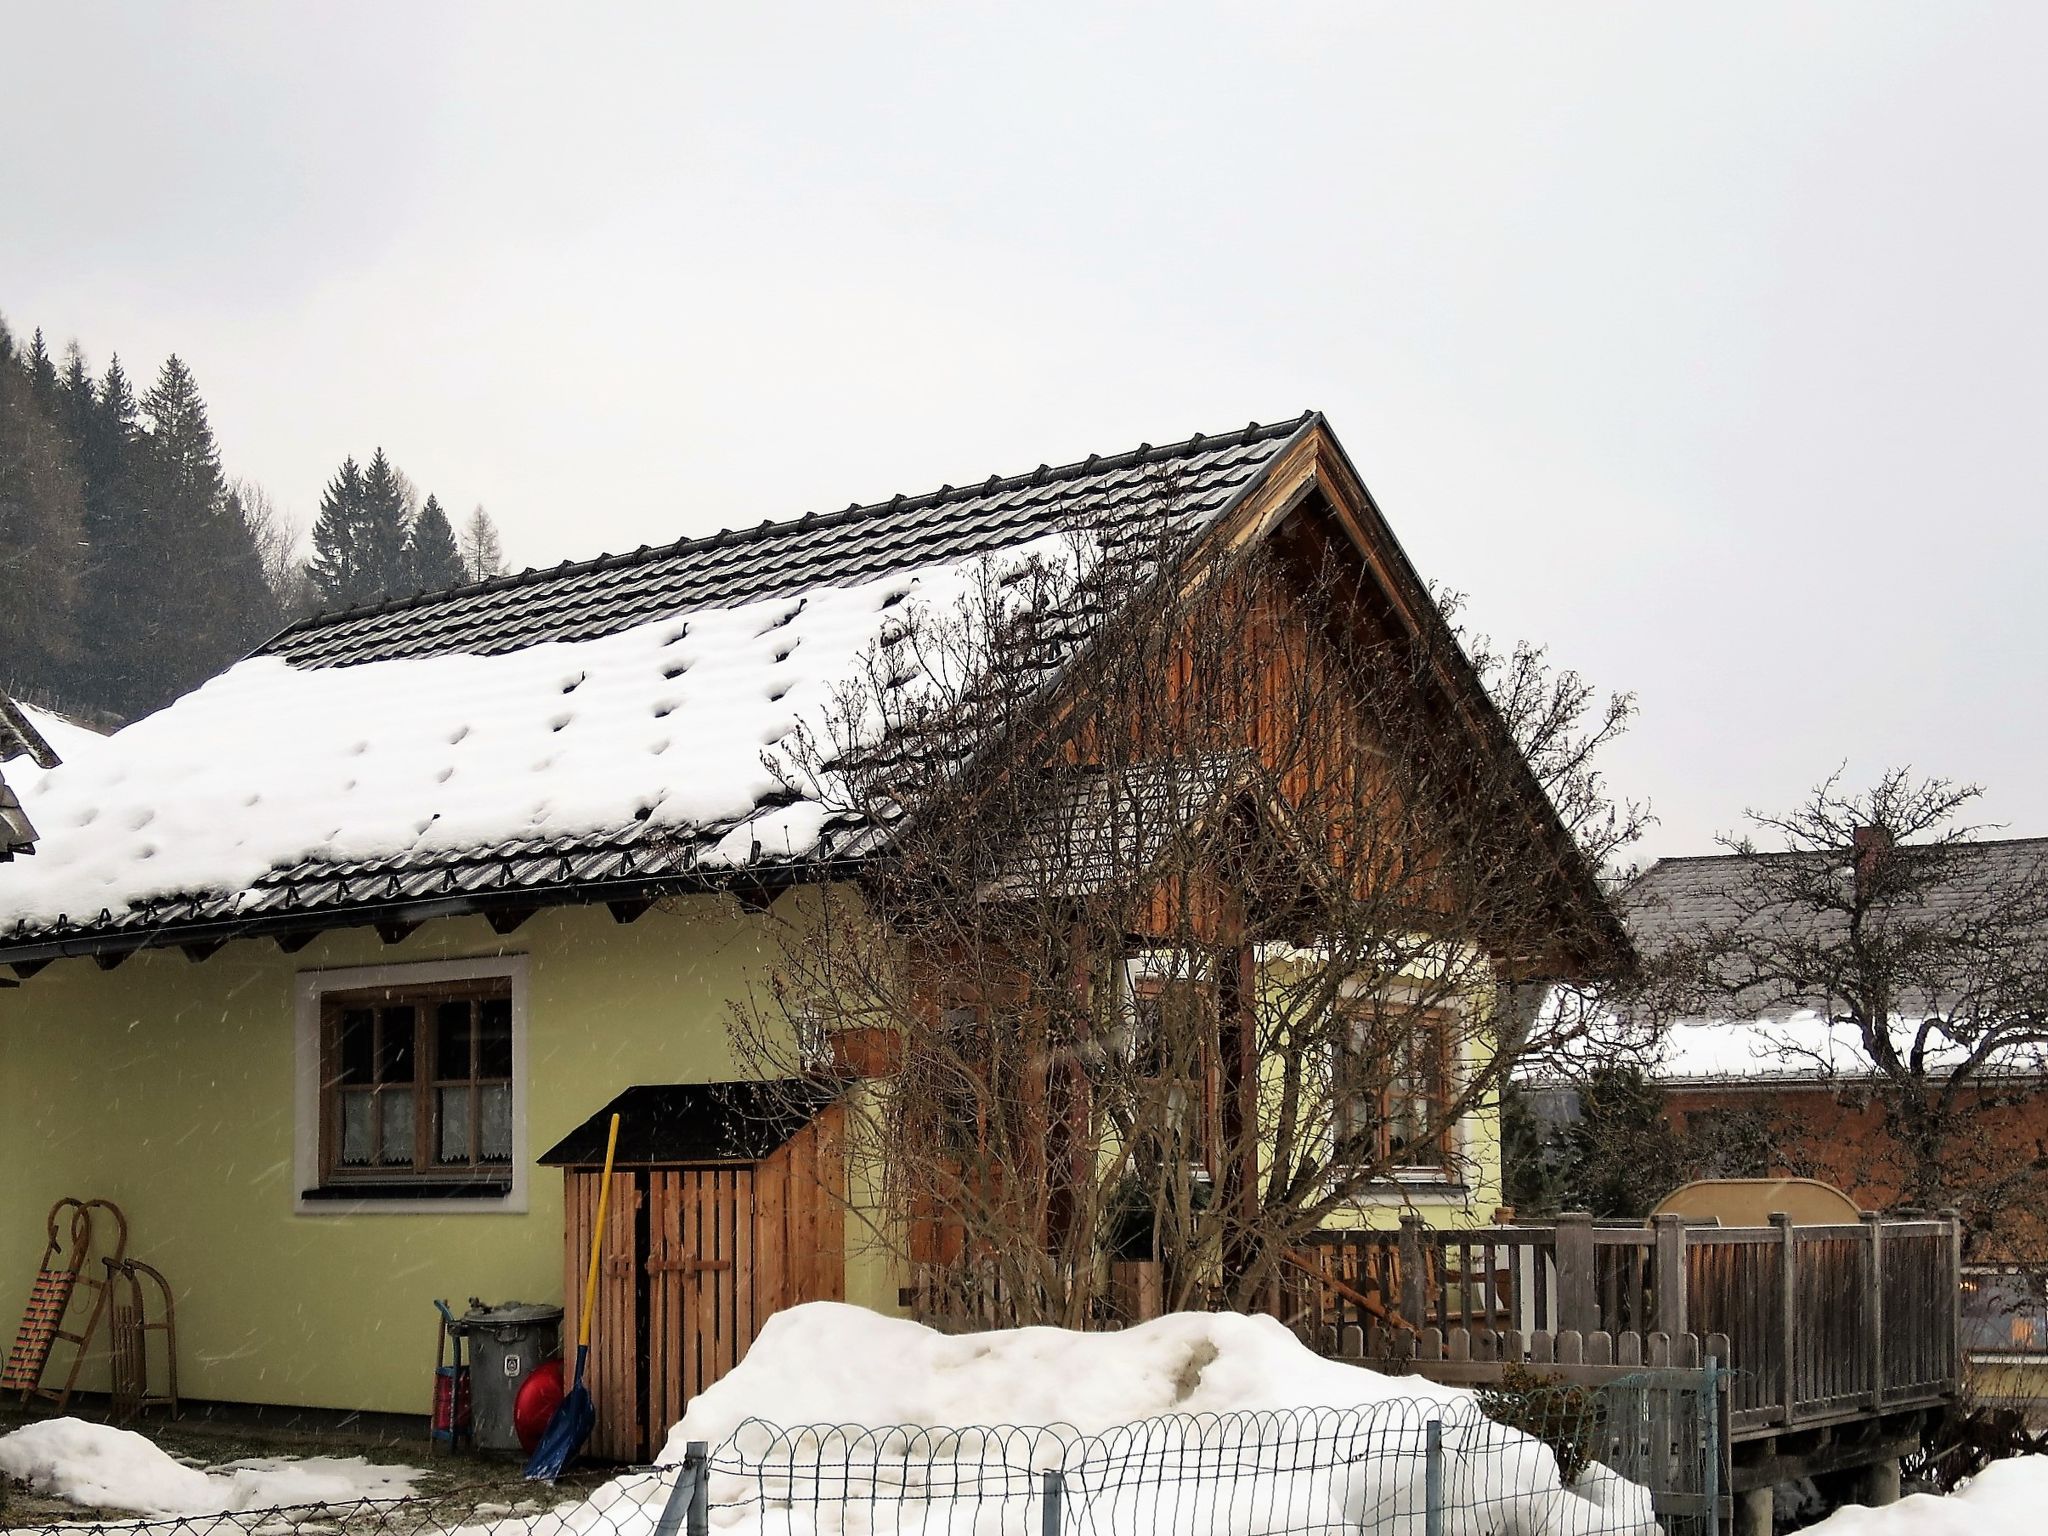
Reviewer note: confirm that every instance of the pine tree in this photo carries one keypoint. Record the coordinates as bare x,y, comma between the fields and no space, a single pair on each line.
76,399
42,375
114,600
215,603
336,569
41,511
383,528
431,553
482,555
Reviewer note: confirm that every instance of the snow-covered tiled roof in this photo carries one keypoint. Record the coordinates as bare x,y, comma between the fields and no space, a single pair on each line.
588,731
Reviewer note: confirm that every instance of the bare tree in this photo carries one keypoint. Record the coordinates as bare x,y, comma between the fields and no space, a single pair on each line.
278,538
1917,945
483,556
1176,902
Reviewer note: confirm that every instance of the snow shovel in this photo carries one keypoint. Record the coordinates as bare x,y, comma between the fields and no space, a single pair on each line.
573,1421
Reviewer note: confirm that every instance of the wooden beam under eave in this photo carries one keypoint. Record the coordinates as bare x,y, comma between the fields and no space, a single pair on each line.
395,933
628,911
292,943
24,969
106,960
204,951
505,919
753,898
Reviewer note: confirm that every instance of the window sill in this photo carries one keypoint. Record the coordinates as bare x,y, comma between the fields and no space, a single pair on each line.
1405,1184
395,1197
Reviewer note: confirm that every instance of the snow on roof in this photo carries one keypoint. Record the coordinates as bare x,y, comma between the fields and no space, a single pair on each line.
66,737
1783,1046
662,726
596,727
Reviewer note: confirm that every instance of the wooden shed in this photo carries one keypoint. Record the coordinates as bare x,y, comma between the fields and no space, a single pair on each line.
728,1204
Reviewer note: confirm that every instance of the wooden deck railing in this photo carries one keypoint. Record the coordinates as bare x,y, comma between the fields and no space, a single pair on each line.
1819,1322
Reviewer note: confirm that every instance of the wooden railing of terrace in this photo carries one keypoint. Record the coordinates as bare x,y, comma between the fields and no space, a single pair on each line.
1820,1324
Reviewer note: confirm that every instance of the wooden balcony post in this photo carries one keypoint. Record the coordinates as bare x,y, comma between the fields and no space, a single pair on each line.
1787,1329
1954,1218
1578,1307
1414,1298
1667,1275
1873,1304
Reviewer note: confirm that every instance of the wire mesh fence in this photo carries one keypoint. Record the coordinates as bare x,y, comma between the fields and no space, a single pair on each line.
1633,1457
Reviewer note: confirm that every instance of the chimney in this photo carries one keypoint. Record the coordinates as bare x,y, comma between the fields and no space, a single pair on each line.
1870,845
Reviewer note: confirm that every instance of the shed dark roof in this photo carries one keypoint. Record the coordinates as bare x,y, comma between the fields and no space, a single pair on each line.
733,1122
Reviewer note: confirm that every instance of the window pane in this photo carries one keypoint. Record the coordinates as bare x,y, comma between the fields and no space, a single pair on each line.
494,1038
454,1124
355,1127
355,1046
451,1041
396,1143
394,1045
494,1132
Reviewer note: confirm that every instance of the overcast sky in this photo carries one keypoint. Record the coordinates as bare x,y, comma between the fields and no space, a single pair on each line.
1704,344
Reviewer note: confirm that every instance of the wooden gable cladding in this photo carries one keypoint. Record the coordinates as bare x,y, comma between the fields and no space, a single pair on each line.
695,1259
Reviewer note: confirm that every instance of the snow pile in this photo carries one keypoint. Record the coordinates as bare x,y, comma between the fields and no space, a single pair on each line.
2008,1498
97,1466
1199,1424
267,764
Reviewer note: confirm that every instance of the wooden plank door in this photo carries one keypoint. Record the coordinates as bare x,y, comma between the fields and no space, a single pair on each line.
613,1376
700,1284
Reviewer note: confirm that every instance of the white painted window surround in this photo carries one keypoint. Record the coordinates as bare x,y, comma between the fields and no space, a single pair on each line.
308,989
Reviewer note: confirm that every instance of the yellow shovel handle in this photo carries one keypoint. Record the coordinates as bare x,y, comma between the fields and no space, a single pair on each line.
604,1200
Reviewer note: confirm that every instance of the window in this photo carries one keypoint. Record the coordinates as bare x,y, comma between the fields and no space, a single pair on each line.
1393,1084
410,1085
1172,1054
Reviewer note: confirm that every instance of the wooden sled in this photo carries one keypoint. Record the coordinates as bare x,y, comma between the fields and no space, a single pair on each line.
50,1301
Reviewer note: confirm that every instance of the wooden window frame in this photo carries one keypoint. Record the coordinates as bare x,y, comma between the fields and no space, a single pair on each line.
323,1186
1441,1095
425,1084
1148,988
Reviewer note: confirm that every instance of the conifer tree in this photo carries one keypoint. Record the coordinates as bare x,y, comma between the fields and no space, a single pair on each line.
382,530
42,375
114,602
431,553
41,510
215,603
482,555
76,399
337,570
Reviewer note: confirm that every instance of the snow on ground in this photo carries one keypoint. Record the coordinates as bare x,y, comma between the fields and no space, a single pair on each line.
2008,1498
1199,1424
268,764
98,1466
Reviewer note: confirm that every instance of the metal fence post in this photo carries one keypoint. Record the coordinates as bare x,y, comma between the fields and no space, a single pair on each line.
1051,1493
688,1500
1433,1479
697,1465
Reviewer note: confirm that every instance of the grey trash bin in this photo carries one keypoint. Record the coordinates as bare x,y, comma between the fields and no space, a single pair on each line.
506,1342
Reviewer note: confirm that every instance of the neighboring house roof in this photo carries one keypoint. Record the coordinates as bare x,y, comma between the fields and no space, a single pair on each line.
20,737
591,732
695,1123
1681,899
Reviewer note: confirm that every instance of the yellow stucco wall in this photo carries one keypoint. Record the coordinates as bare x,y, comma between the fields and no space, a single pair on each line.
166,1086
